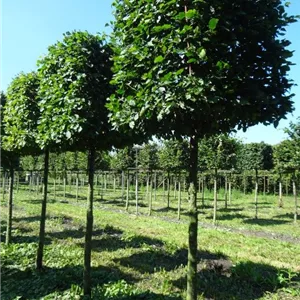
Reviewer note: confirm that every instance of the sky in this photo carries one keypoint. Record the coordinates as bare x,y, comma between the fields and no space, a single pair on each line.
28,27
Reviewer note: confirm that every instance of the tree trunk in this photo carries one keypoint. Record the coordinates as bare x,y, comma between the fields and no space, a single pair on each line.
18,181
122,183
280,202
256,194
215,197
193,222
3,186
89,226
127,191
10,204
296,201
39,258
202,197
150,198
77,181
65,186
229,192
264,185
136,193
226,194
168,193
54,185
179,200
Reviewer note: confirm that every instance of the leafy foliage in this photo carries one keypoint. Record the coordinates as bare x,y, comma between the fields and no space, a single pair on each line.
218,152
257,156
237,58
21,113
147,156
75,77
173,155
123,159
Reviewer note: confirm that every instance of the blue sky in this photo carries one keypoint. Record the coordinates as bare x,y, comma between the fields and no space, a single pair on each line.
28,27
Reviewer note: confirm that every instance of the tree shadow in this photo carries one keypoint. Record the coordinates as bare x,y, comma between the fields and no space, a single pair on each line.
112,202
166,209
156,259
245,281
39,201
265,222
27,219
30,284
72,196
286,216
80,233
230,217
230,209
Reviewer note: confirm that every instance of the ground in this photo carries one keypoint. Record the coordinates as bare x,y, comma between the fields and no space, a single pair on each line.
144,257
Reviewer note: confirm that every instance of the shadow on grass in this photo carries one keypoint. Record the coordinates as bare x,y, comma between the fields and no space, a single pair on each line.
245,281
230,217
155,259
166,209
27,219
286,216
39,201
230,209
80,233
265,222
30,284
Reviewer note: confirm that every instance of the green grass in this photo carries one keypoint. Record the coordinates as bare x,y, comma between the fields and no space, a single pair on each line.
141,257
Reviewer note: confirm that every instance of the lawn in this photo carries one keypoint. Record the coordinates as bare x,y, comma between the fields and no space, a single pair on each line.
144,257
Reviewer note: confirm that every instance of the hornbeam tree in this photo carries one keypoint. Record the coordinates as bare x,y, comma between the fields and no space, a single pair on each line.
195,68
9,161
75,76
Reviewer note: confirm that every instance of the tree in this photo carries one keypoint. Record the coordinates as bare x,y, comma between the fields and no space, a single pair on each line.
21,116
218,152
256,156
75,76
9,161
196,68
147,156
294,139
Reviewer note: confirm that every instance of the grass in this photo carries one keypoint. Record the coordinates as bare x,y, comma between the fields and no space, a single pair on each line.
142,257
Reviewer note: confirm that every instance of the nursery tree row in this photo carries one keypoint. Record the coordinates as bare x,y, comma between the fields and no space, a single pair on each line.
188,70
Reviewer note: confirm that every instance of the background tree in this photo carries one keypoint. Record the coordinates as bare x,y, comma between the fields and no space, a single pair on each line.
9,162
75,76
197,68
256,156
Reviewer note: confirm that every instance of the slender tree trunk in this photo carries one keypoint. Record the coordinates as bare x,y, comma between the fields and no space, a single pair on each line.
3,186
77,181
150,198
296,201
155,186
64,186
264,185
18,180
168,193
122,183
127,191
229,192
215,197
54,185
202,196
193,222
226,191
286,187
40,250
37,184
280,202
89,226
256,194
136,193
179,200
10,206
114,175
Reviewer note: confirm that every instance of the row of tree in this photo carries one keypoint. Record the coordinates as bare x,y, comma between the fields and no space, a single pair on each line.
172,70
222,152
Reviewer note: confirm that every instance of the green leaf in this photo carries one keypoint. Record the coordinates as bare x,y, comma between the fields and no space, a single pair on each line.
158,59
213,23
